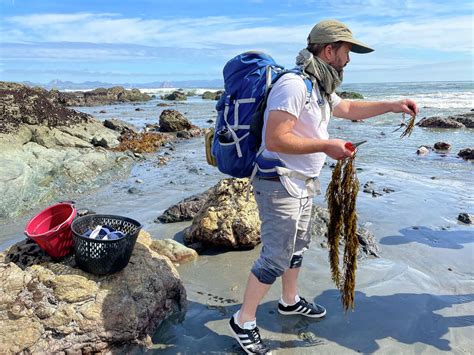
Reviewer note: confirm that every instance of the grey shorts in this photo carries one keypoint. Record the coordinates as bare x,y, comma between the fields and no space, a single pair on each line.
284,232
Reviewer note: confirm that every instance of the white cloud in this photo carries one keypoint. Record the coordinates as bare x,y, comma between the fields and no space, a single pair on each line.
453,34
445,34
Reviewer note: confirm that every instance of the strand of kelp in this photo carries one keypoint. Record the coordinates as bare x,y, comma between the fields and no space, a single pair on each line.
408,126
341,196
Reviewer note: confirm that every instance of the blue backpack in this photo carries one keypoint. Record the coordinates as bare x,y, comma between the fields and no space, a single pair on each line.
248,78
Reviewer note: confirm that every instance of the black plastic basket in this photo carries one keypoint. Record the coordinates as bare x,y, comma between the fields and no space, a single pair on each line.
103,257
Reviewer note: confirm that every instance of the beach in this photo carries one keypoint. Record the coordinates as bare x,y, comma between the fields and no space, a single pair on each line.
417,298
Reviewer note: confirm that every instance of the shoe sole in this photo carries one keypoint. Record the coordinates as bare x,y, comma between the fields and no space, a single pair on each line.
241,345
290,313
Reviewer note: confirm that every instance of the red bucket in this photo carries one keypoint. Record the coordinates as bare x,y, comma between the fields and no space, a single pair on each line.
51,229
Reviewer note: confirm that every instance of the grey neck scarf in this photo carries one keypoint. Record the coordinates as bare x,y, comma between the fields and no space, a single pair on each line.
328,77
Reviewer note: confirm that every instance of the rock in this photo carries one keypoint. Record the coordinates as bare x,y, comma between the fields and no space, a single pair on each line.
467,119
349,95
367,242
176,252
119,125
133,190
150,127
173,121
209,95
467,154
57,308
466,218
423,150
103,96
175,96
162,104
21,105
439,122
319,231
442,146
183,134
227,219
186,209
39,173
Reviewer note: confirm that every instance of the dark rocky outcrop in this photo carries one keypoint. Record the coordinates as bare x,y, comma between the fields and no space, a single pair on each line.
212,95
349,95
101,96
465,120
173,121
119,125
175,96
54,307
442,146
20,105
186,209
466,218
467,154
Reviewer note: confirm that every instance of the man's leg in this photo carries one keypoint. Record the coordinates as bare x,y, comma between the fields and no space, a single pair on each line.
289,281
291,303
253,295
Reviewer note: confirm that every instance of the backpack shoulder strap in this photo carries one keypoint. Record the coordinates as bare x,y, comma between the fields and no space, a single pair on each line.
306,79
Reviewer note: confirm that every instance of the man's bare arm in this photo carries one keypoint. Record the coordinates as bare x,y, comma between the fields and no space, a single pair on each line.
279,137
359,110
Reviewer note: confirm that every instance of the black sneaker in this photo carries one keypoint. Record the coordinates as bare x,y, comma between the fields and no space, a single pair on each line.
249,339
304,308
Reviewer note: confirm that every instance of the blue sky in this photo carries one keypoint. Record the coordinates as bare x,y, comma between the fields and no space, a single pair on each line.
142,41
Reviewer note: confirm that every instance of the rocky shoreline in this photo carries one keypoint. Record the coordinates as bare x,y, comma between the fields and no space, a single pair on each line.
51,150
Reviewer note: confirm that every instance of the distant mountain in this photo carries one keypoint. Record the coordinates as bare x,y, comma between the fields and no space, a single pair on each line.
69,85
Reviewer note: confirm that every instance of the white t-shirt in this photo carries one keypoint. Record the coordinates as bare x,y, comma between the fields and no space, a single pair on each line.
289,94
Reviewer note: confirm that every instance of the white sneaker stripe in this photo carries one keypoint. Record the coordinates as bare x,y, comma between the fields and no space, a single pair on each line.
243,336
309,311
299,308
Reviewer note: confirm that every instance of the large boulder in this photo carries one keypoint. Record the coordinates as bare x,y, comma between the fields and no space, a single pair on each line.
173,121
175,96
227,219
212,95
56,308
186,209
465,120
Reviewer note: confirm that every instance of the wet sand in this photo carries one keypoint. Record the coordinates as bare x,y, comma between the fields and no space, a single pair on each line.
418,298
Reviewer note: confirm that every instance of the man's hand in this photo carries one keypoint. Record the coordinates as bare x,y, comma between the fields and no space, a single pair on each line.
336,149
407,106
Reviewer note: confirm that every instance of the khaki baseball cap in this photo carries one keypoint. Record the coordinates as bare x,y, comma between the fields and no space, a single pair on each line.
330,31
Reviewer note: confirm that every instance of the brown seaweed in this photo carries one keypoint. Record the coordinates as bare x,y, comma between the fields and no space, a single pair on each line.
341,196
409,125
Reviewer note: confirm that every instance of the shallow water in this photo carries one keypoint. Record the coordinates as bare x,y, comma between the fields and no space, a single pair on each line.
417,298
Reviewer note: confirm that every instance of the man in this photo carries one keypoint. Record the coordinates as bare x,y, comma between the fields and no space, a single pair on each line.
295,132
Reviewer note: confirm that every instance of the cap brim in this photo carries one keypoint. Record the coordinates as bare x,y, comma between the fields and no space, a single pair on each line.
359,47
